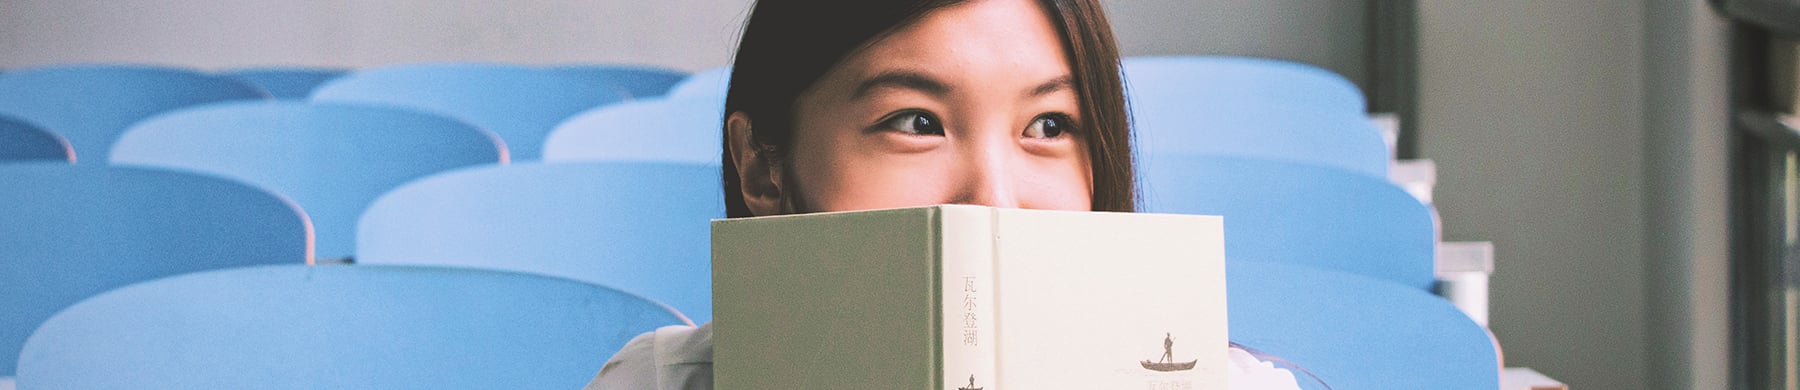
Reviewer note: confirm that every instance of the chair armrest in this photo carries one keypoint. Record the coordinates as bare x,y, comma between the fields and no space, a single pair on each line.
1462,273
1524,378
1417,177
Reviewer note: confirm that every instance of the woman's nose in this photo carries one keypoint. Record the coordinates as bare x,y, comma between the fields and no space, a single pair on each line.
987,178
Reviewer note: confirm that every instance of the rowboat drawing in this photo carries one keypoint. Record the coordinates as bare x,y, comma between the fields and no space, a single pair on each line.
1168,366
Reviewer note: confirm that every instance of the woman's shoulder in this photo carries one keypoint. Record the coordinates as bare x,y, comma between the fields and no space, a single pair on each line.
672,357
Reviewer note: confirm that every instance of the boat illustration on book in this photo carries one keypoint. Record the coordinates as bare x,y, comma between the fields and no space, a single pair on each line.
1167,362
971,385
1168,366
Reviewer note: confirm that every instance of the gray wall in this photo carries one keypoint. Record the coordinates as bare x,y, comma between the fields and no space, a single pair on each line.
1687,208
1533,110
685,34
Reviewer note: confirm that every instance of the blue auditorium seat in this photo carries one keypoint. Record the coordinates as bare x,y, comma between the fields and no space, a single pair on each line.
338,327
1300,214
72,231
1258,81
91,104
639,81
1354,332
1251,107
333,159
678,129
288,83
710,82
20,141
639,227
520,104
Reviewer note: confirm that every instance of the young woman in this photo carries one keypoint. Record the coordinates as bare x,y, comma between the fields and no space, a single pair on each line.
850,105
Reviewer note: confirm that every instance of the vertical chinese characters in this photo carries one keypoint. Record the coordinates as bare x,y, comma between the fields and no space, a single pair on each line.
969,305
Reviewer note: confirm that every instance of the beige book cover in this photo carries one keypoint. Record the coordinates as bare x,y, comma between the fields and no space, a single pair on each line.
969,297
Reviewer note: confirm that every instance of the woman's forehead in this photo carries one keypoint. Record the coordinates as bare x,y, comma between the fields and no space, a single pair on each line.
990,44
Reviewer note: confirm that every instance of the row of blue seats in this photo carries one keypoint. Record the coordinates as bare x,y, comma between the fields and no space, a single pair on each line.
598,140
364,326
285,148
92,104
650,218
639,227
1284,310
298,83
306,150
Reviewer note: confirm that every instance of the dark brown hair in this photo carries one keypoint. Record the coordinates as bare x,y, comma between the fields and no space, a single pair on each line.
789,44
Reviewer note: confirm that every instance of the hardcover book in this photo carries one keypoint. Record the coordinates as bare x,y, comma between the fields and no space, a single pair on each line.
969,298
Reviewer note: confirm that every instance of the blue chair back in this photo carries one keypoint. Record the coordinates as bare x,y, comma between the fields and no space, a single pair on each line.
520,104
1254,108
639,81
1354,332
678,129
710,82
287,83
72,231
1300,214
331,158
639,227
338,327
1259,82
91,104
20,141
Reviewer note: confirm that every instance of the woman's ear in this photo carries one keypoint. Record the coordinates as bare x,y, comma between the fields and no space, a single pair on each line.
759,174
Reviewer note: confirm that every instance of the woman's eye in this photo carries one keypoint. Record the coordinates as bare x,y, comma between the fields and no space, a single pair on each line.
915,123
1048,126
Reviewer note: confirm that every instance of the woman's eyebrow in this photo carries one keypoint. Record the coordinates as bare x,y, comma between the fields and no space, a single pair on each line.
900,79
1057,84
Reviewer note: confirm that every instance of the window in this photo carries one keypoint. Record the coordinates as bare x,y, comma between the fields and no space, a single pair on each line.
1766,207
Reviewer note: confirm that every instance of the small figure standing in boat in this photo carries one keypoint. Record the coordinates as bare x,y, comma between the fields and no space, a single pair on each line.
1167,361
1168,348
971,384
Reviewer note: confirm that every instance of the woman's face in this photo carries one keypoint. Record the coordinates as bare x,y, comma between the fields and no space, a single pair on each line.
972,104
